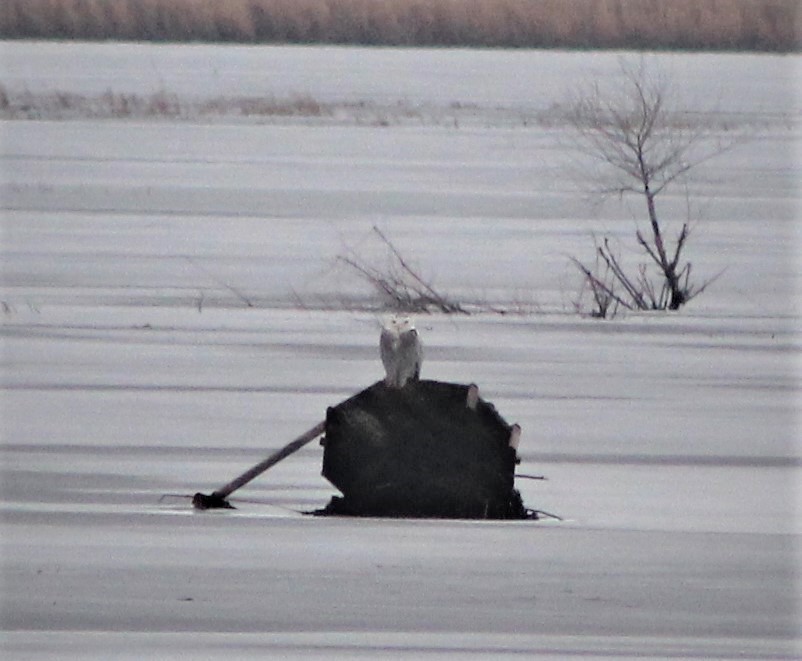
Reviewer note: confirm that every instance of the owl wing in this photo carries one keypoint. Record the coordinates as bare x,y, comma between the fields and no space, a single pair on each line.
388,351
411,354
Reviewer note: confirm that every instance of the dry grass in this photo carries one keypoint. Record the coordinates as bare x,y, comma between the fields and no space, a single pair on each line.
23,104
769,25
20,103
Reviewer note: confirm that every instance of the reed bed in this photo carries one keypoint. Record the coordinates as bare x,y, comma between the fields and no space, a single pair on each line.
761,25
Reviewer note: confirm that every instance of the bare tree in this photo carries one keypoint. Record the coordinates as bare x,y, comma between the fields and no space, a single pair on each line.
643,146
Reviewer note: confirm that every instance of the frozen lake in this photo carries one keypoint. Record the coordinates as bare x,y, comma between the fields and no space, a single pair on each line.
173,311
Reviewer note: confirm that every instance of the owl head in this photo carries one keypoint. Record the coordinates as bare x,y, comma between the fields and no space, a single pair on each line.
398,324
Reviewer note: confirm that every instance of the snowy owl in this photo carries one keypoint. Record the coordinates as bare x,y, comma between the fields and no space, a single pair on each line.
401,351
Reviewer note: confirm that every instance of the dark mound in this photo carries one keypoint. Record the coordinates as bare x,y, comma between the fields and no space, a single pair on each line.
420,451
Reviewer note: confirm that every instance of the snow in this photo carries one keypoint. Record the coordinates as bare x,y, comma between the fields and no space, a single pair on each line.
134,372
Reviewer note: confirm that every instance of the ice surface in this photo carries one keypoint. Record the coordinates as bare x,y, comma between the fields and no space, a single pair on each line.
173,311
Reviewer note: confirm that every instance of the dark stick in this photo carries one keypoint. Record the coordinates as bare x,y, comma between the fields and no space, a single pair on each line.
218,498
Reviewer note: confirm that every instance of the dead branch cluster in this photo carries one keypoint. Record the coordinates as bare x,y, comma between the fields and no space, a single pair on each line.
399,286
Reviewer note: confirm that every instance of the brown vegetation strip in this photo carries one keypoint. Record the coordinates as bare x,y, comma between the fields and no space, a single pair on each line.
763,25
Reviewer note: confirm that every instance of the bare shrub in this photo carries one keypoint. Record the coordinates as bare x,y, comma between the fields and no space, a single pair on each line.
399,285
642,146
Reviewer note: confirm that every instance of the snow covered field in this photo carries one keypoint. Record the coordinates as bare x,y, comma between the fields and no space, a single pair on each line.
132,366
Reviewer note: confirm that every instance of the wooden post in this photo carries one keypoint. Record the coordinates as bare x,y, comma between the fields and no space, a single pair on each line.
218,498
473,396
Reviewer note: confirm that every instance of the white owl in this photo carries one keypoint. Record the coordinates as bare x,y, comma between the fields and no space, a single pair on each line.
401,351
